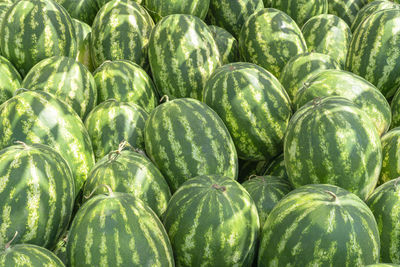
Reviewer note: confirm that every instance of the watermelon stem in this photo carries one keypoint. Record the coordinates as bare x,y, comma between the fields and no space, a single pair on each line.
22,143
332,194
117,152
164,97
9,242
110,192
218,187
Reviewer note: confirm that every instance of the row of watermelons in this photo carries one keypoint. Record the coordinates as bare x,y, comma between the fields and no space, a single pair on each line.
300,106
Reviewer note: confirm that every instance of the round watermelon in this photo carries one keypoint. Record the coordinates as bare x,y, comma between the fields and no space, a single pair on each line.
29,255
228,46
83,10
162,8
277,168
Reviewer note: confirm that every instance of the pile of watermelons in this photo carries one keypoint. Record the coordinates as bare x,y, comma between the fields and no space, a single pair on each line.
199,133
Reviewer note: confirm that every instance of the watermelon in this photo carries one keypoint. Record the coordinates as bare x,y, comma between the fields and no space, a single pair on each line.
182,54
228,46
38,117
121,30
371,8
390,155
10,80
346,9
395,106
4,6
185,138
302,67
328,34
249,169
37,195
277,168
254,107
125,81
231,15
211,220
29,255
332,141
83,10
342,83
266,191
319,225
382,265
270,38
301,10
47,31
66,79
385,204
161,8
117,230
373,52
130,172
83,33
112,122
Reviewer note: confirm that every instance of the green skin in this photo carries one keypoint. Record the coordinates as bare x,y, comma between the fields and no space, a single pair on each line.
395,107
371,8
83,32
42,206
270,38
185,138
36,44
247,95
301,10
390,155
68,80
302,67
194,218
118,230
373,51
228,46
231,15
160,8
183,54
385,205
266,191
26,118
32,255
10,80
328,34
130,172
125,81
113,122
346,10
345,84
115,36
84,11
337,144
319,225
277,168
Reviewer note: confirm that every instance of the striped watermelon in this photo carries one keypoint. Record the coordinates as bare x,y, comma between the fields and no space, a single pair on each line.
390,155
266,191
10,80
270,38
125,81
66,79
373,52
28,255
302,67
4,6
112,122
371,8
50,32
248,169
332,141
346,9
301,10
254,107
385,204
212,220
37,195
319,225
83,10
117,230
182,54
328,34
277,168
161,8
342,83
121,30
83,33
228,46
38,117
395,106
185,138
231,15
130,172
